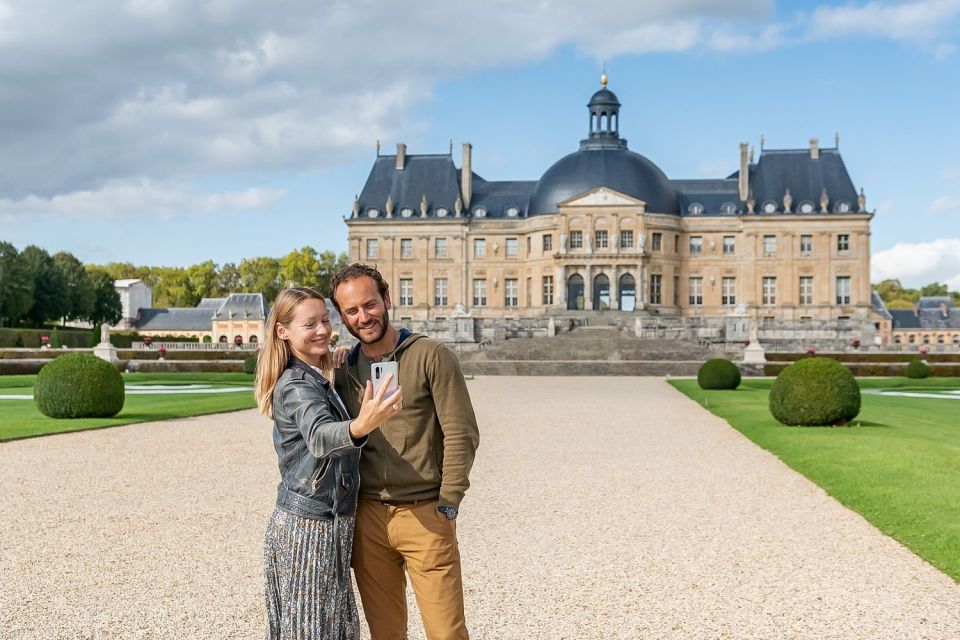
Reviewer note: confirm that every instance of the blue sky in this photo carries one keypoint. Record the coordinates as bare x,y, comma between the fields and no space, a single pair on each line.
169,132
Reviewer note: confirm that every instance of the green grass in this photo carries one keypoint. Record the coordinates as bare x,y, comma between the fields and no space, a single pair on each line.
21,419
897,465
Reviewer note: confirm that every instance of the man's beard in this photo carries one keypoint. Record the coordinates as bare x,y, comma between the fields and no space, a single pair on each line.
355,331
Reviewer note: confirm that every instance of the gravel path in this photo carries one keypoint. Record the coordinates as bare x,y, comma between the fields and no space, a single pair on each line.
600,508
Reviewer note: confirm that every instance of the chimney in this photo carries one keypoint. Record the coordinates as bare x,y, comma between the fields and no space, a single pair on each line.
466,175
401,155
944,311
744,170
814,149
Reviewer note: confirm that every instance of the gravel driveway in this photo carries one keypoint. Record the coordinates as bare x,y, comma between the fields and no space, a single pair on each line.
600,508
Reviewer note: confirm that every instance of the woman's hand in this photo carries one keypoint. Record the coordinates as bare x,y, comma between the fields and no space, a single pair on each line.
340,356
377,408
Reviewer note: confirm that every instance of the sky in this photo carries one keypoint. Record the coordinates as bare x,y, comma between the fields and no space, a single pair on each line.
170,132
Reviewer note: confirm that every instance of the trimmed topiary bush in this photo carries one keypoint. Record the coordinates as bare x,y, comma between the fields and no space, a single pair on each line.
718,373
250,364
815,392
917,369
79,385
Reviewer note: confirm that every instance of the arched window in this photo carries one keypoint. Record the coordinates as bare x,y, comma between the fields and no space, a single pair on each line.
601,292
252,340
575,292
940,339
223,339
627,291
896,340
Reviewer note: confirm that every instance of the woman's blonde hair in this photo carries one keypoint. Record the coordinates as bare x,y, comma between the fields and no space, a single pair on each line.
275,352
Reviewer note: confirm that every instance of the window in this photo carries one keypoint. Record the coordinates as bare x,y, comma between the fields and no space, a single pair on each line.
373,248
806,289
547,242
576,239
442,212
843,242
676,291
529,245
769,290
547,289
406,212
806,245
912,339
626,239
440,248
406,292
479,292
511,292
696,292
843,289
696,245
769,245
529,289
513,247
728,291
656,242
406,247
676,243
655,285
479,247
440,292
512,212
602,239
729,245
480,212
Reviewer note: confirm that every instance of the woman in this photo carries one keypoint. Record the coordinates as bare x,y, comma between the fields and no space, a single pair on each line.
309,537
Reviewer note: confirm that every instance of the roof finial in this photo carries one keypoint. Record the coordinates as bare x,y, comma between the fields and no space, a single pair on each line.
378,148
451,146
836,139
603,76
761,142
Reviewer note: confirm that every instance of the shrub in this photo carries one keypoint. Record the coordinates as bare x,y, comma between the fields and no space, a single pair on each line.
917,369
250,364
718,373
815,391
79,385
55,342
95,336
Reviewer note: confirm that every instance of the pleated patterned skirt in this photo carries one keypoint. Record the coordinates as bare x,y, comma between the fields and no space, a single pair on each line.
309,592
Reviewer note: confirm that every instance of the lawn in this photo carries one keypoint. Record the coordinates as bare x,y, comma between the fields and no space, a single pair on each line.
20,418
897,465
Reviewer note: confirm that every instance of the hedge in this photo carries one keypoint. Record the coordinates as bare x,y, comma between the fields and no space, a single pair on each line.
854,356
860,370
13,338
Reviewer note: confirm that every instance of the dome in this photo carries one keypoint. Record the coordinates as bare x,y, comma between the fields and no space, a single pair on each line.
604,97
616,168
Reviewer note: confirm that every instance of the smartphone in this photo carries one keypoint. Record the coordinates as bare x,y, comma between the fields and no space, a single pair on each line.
379,372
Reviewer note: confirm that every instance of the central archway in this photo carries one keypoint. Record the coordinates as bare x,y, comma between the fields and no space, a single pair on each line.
601,292
575,292
627,293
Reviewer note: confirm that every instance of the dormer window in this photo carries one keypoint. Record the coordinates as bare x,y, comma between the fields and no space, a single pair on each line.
695,209
806,207
512,212
842,206
769,206
373,213
442,212
480,212
728,208
406,212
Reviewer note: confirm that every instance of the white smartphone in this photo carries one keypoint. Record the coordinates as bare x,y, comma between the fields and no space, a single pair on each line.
378,374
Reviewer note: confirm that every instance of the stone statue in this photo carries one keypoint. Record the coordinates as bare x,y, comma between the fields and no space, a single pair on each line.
861,202
356,206
641,241
458,207
787,201
824,200
104,334
754,333
389,206
459,310
423,206
563,242
751,202
589,244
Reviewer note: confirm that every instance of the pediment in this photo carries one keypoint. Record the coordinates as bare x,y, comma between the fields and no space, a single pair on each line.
602,197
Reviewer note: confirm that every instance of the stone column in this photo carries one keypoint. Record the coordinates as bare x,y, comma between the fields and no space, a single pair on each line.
560,287
588,288
614,288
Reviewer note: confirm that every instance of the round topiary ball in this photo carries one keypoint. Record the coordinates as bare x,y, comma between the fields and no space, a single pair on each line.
718,373
918,369
79,385
815,392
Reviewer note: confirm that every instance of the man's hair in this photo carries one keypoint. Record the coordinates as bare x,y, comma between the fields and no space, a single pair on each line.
357,270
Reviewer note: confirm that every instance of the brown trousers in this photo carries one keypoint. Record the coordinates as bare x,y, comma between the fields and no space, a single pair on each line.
389,538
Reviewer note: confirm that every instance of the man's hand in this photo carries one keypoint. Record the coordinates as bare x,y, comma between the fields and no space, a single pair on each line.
339,356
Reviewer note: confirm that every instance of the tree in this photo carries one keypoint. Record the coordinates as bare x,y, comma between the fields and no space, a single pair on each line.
260,275
16,285
300,268
228,279
49,285
78,292
330,264
107,308
203,279
171,287
934,289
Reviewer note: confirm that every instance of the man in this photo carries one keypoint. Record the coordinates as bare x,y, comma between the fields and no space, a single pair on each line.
413,471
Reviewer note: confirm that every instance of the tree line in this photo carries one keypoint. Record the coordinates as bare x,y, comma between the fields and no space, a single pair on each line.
37,288
895,296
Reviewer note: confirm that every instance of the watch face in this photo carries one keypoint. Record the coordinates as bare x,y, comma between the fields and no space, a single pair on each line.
449,512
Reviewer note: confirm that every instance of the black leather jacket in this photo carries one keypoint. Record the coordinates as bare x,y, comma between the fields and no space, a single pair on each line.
318,459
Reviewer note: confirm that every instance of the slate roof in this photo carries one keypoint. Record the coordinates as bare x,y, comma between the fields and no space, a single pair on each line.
928,314
211,303
250,306
433,175
712,194
879,306
174,319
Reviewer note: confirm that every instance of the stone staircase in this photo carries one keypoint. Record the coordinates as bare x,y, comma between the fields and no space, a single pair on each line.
590,350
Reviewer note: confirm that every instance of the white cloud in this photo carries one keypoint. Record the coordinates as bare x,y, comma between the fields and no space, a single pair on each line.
918,264
946,204
918,21
142,199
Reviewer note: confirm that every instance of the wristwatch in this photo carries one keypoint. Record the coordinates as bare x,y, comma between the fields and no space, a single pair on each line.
450,513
